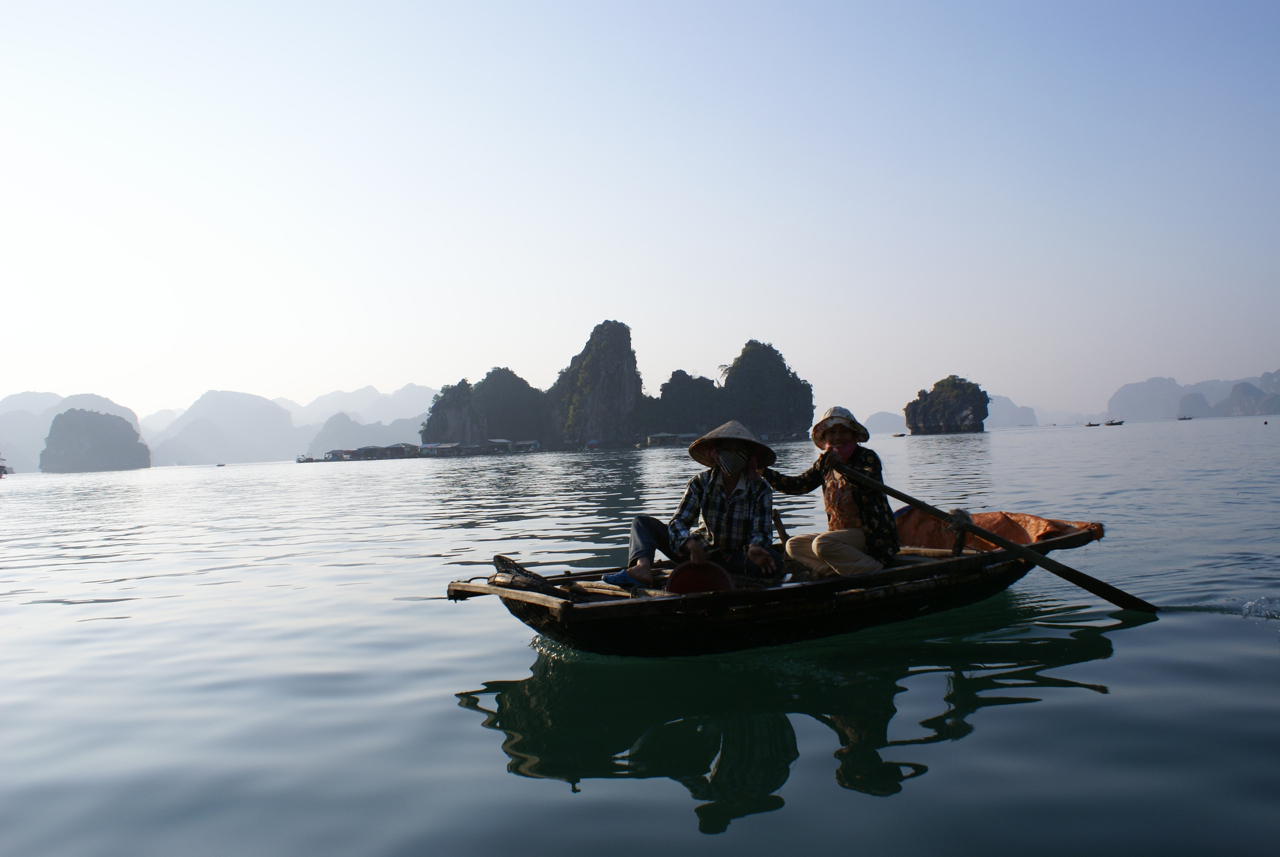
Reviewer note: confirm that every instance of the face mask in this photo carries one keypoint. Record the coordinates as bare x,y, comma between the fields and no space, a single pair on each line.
732,461
844,451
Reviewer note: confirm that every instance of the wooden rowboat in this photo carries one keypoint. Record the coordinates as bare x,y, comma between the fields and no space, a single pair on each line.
581,611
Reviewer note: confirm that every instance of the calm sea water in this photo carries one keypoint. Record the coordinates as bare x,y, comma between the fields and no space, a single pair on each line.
257,659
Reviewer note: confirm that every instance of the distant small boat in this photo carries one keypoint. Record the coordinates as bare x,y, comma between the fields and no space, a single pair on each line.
219,465
1186,418
1092,425
900,434
1114,423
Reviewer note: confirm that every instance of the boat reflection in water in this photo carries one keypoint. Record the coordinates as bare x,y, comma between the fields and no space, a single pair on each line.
721,726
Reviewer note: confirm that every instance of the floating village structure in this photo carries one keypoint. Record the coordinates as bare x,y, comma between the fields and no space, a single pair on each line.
491,446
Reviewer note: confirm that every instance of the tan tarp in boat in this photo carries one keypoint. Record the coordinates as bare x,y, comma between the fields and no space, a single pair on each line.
918,530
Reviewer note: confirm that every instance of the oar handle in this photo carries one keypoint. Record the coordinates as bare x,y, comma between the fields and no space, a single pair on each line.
1099,588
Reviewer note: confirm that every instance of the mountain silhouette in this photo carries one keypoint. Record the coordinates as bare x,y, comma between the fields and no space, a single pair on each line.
224,426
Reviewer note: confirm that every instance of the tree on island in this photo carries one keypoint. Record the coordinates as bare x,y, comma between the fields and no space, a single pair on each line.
955,405
689,403
763,392
453,417
512,408
83,441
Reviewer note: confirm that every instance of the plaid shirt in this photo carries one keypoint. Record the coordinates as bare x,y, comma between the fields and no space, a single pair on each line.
848,502
728,523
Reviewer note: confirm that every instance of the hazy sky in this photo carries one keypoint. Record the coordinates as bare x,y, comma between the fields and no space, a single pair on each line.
1052,199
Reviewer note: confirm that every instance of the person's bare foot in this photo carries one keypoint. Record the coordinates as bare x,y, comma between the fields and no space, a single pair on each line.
642,570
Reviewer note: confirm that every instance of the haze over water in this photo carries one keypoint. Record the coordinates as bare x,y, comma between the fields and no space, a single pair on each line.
257,659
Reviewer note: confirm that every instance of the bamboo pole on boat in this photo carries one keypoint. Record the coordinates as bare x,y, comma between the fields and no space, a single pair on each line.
1099,588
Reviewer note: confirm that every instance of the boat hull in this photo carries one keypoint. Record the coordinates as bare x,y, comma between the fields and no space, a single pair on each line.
714,629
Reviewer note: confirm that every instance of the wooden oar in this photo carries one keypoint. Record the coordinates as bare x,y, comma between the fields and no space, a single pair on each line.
1103,590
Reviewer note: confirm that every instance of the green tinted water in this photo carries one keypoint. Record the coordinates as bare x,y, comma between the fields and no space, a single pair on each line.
256,659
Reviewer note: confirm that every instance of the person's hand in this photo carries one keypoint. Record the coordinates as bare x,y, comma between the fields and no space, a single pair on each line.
697,552
762,558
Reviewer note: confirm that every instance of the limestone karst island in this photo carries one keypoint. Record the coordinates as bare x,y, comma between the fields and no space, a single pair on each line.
596,402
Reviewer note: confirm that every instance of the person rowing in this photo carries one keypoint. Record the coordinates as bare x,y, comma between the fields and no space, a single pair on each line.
861,536
731,500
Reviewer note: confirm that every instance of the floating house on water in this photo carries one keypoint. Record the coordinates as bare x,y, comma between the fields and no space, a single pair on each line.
491,446
441,450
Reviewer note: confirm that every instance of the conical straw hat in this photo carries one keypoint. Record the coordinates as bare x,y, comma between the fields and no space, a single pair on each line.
732,430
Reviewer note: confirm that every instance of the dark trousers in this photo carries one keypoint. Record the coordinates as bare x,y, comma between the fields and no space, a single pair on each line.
649,535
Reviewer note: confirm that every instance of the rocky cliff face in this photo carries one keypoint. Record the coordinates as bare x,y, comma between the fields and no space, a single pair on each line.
1246,400
1270,382
954,405
453,417
595,397
83,441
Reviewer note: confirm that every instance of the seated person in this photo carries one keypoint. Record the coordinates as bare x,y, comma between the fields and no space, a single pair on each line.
861,536
735,506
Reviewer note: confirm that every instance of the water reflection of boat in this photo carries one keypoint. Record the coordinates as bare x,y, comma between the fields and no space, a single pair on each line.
723,727
580,611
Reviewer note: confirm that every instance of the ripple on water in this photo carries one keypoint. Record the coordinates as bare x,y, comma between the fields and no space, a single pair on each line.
1262,608
258,656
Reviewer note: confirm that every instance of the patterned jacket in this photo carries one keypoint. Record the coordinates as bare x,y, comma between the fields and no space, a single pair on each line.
728,523
849,504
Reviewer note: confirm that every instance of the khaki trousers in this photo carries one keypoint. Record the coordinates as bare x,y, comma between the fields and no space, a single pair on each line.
836,552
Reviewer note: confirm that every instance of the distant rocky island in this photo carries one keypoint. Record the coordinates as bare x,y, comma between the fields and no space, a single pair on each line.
364,406
955,405
599,398
883,422
1246,400
25,420
1165,399
83,441
1003,413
